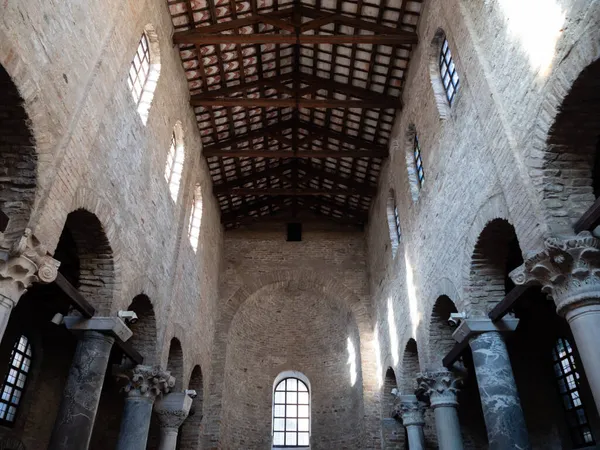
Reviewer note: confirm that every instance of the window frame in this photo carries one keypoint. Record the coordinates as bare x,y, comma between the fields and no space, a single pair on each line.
26,355
447,66
418,160
197,206
565,366
174,165
393,220
285,417
144,46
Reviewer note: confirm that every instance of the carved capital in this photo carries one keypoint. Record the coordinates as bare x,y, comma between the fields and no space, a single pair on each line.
441,387
25,263
173,409
146,381
411,410
568,270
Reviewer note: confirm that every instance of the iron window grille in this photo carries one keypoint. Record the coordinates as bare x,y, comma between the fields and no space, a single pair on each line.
397,222
291,414
139,70
15,380
568,379
448,72
418,161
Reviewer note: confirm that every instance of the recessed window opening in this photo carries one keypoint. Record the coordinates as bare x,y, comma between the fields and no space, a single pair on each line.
291,414
294,232
195,219
144,72
418,161
568,379
14,382
174,166
448,72
393,221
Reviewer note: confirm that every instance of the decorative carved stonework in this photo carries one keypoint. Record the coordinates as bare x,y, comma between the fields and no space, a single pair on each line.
568,270
146,381
441,387
27,262
173,409
411,413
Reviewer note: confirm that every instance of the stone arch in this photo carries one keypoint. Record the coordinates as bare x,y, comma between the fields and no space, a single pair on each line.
191,430
144,338
563,169
389,383
496,253
392,430
440,333
175,362
89,256
410,367
18,160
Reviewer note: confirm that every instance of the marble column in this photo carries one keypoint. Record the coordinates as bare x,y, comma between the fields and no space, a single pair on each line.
500,402
75,420
172,410
24,263
568,268
442,387
143,385
411,412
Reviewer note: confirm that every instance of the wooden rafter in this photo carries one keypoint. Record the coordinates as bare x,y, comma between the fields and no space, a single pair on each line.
288,192
276,154
224,188
294,103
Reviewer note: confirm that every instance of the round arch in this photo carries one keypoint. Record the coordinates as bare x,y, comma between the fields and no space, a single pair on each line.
144,337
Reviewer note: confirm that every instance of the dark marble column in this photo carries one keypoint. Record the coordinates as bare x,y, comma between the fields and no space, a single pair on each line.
172,410
75,420
144,385
411,412
441,387
500,401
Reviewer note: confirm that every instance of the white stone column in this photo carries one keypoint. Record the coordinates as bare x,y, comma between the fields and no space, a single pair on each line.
504,419
411,412
25,263
442,387
172,410
144,385
569,271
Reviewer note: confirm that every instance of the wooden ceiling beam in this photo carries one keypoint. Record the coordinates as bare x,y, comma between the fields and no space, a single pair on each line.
274,81
288,192
251,135
355,188
389,103
276,154
201,38
233,216
224,188
320,201
334,135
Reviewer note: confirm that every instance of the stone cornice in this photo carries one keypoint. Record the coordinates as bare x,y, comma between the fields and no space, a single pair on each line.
568,268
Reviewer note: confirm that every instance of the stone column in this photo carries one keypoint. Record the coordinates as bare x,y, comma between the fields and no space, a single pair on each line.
171,410
500,401
441,387
25,263
75,420
144,385
569,271
411,412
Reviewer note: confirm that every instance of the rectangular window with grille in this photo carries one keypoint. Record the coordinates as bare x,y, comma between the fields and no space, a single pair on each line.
448,72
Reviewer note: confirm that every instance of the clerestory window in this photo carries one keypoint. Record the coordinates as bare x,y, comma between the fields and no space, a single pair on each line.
448,72
195,219
393,218
568,379
174,166
291,414
418,161
144,72
15,380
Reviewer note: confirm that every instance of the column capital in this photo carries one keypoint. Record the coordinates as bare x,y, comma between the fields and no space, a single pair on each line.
440,386
469,328
172,409
23,264
411,410
568,268
146,381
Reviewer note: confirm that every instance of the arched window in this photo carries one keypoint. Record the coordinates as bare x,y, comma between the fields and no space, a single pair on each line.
393,221
448,72
418,161
175,160
567,377
14,382
144,72
291,413
195,219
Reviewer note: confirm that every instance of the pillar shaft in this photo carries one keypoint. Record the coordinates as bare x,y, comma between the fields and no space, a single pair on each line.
416,437
585,325
135,423
168,438
411,412
75,420
500,401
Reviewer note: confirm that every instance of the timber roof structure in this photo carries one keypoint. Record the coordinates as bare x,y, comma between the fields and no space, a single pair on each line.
295,100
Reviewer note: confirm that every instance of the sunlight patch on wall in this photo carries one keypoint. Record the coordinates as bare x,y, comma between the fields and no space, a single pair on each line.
538,25
352,361
413,309
378,357
394,345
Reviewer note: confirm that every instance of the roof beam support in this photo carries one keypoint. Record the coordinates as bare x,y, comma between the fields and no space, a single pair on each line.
275,154
389,103
289,192
225,188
